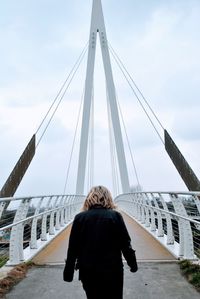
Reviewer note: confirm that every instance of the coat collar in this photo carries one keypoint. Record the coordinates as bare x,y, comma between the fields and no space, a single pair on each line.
97,206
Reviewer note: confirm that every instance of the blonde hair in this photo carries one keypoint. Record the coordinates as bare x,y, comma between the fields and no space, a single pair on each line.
99,195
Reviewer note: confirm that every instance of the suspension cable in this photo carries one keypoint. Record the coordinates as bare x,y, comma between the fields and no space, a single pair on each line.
73,144
128,81
63,85
62,96
140,92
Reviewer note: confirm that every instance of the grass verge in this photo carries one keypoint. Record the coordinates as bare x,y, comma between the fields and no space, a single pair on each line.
13,277
192,273
3,261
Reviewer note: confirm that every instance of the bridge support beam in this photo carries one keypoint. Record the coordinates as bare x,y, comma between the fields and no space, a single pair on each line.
98,27
184,169
19,170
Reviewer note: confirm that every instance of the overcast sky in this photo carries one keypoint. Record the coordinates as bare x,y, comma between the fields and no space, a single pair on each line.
158,42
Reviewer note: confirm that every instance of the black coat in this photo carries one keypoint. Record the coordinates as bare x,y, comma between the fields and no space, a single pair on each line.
97,241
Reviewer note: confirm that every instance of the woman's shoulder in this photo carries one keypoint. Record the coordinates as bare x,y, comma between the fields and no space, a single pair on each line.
80,215
116,213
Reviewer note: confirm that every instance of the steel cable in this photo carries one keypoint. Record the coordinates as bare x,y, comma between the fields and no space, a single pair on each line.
143,97
129,83
62,87
131,154
75,68
72,148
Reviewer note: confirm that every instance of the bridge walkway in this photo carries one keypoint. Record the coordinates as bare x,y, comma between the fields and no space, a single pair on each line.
158,275
147,248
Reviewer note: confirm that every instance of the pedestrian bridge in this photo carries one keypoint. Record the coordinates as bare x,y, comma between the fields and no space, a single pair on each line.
30,224
163,226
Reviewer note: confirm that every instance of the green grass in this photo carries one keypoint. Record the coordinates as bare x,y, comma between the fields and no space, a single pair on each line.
192,273
3,261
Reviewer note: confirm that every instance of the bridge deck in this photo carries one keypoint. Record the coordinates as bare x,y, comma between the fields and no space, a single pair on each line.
147,248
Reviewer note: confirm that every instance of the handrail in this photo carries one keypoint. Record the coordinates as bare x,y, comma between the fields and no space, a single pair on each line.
167,218
30,218
196,193
34,221
5,199
170,213
50,214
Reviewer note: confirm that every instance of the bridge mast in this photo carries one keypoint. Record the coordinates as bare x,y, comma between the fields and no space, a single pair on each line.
98,27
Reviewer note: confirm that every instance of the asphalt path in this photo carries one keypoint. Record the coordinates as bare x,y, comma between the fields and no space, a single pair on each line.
154,280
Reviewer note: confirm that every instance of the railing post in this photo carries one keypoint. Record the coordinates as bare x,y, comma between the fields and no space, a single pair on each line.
51,222
142,210
67,215
58,212
160,232
2,206
62,219
197,202
170,235
152,215
43,235
33,242
139,213
66,209
134,205
70,208
73,206
185,231
16,254
147,220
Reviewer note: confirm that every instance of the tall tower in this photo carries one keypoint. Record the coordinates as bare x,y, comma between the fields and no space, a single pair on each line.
98,29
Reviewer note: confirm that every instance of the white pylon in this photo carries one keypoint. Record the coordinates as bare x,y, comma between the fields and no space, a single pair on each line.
98,27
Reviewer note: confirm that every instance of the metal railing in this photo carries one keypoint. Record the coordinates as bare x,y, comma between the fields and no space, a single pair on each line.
173,218
30,223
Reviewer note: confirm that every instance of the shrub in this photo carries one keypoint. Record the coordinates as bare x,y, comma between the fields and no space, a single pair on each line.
192,272
13,277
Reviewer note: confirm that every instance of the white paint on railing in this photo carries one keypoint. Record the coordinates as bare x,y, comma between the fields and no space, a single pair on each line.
54,211
150,209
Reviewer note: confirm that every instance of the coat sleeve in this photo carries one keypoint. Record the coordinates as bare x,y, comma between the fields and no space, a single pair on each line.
72,253
126,248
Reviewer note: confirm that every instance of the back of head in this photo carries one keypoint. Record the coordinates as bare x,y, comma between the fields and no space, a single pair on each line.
99,195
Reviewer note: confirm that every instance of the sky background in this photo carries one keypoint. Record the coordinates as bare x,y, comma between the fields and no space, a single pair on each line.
158,42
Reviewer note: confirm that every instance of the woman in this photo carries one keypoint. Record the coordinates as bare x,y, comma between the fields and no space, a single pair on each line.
97,241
